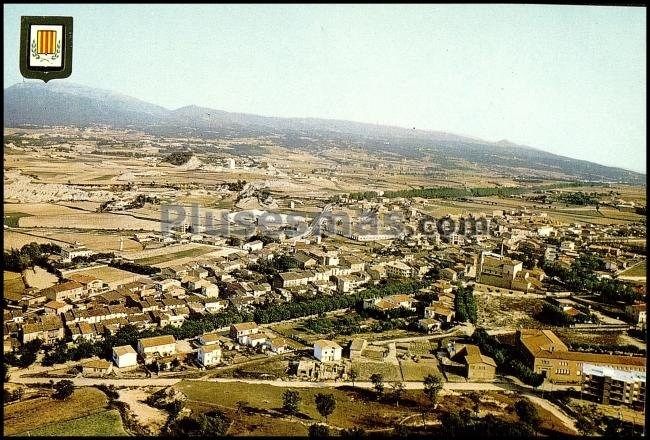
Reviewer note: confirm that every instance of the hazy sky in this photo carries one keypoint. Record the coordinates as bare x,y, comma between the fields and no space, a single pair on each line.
567,79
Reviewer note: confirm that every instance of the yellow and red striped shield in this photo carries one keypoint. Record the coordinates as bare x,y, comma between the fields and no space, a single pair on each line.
46,42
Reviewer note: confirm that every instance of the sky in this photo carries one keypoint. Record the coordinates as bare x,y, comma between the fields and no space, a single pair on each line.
570,80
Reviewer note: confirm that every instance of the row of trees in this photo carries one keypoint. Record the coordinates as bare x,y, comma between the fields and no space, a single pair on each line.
134,267
581,277
325,403
449,192
323,304
465,424
30,255
465,305
554,315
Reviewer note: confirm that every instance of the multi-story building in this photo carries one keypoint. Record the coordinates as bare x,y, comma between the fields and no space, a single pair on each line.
68,290
614,387
399,269
157,346
327,351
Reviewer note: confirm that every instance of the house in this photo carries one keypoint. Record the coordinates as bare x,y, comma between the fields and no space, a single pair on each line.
85,331
440,312
69,252
306,368
278,345
68,290
50,329
477,366
237,331
637,314
157,346
56,307
125,356
390,302
209,355
429,325
357,346
209,338
327,351
253,246
293,279
254,340
167,284
91,284
497,270
398,269
96,367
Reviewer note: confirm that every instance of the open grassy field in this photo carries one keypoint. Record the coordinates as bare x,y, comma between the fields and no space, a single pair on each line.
350,409
194,252
390,372
507,311
418,370
28,415
105,423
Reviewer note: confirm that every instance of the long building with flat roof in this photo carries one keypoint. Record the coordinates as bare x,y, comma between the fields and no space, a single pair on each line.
548,355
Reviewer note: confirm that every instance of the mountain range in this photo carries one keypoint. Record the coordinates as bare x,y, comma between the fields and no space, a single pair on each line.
63,103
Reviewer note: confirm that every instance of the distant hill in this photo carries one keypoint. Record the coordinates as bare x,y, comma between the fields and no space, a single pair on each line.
62,103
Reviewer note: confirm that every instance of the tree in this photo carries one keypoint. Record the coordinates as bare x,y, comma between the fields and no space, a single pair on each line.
325,404
318,431
432,387
63,389
175,364
378,384
291,401
527,412
475,397
355,433
354,375
241,406
398,391
213,423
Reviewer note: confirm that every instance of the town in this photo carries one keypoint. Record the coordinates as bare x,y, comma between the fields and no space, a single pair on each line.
150,287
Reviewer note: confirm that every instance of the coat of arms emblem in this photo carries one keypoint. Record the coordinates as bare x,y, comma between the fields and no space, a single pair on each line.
46,47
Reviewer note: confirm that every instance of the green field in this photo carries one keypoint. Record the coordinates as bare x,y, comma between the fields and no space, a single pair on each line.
390,372
195,252
106,423
416,371
44,411
351,410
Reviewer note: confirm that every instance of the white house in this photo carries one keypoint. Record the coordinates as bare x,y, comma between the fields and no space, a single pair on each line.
253,246
209,355
327,351
125,356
